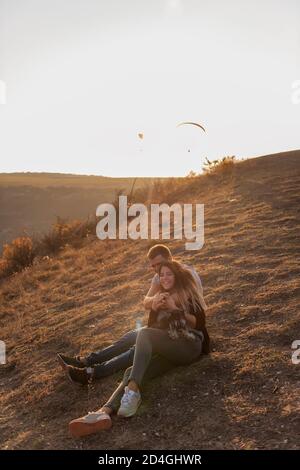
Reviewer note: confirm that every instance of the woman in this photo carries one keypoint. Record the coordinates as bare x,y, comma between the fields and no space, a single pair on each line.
156,349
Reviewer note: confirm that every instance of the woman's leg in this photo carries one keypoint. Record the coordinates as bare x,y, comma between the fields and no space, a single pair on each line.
100,420
158,366
151,341
113,403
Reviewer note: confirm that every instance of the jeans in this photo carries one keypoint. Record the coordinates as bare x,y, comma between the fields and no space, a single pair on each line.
118,356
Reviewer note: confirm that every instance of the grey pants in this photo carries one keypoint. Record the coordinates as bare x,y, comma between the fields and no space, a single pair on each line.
151,341
115,357
155,354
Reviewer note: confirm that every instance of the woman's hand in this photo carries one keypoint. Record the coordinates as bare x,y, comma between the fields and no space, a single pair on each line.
191,320
159,301
170,303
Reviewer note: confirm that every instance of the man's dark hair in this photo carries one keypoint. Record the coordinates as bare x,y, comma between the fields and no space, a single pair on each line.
162,250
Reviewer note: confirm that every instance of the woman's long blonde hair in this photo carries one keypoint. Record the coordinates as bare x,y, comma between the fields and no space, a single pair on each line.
185,286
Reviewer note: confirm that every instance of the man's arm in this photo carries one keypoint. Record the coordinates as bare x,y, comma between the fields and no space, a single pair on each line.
197,279
154,289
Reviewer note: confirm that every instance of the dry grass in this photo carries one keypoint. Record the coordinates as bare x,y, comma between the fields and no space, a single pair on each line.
245,395
21,252
65,233
17,255
223,166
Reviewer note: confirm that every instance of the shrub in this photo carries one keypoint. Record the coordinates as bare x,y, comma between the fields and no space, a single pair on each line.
4,268
192,174
63,233
141,195
16,256
223,166
21,252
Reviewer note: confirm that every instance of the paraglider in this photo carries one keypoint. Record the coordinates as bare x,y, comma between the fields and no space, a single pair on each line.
192,123
141,137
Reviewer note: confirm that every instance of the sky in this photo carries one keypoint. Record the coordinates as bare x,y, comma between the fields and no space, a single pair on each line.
79,79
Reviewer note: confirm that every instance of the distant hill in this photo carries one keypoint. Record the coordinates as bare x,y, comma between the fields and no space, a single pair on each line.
244,395
31,202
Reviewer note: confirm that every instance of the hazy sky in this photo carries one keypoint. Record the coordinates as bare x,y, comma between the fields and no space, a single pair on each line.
83,77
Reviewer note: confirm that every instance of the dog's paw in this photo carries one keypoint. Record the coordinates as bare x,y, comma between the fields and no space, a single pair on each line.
173,333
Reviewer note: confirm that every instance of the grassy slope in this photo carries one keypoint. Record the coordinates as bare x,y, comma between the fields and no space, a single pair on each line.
245,395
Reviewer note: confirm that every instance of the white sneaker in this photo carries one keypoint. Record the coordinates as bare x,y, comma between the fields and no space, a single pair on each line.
89,424
129,403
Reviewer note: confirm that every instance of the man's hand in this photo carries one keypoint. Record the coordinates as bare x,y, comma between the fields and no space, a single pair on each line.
160,301
154,289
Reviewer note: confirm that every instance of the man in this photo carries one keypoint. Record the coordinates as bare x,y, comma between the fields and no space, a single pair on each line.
156,255
120,354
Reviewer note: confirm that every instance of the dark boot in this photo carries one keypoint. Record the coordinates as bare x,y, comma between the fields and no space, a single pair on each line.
66,361
79,375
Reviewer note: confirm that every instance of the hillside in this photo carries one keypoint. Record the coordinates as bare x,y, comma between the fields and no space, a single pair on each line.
245,395
31,202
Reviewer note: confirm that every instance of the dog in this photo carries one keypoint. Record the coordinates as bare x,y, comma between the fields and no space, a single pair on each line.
175,322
